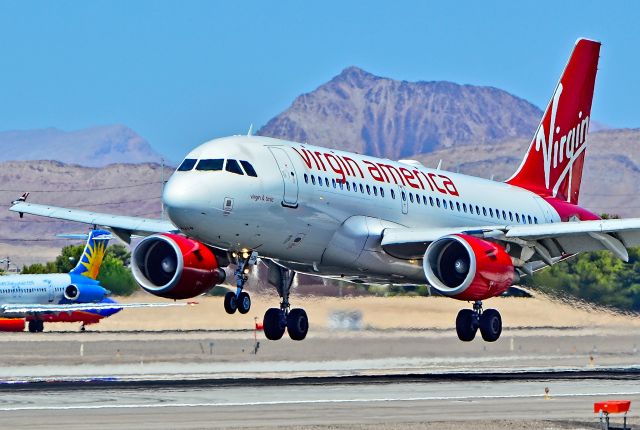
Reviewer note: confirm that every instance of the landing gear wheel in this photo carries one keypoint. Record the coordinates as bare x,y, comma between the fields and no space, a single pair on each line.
274,323
297,324
490,325
40,326
32,326
466,325
243,302
230,302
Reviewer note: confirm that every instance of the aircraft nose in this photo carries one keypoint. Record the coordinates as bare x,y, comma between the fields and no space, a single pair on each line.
179,194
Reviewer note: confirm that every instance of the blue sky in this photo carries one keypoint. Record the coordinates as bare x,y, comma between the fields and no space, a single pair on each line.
180,73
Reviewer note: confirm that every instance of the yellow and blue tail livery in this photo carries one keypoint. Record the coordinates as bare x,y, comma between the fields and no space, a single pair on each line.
93,254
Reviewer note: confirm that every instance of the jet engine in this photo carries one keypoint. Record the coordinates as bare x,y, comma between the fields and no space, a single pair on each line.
82,293
12,324
468,268
175,267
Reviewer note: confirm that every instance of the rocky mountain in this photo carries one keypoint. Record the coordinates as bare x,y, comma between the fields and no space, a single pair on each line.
360,112
128,189
611,177
94,146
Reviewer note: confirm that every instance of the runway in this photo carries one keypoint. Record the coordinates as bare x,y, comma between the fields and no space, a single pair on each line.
278,404
362,380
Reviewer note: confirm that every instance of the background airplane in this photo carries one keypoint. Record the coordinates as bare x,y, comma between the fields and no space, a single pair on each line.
60,297
331,213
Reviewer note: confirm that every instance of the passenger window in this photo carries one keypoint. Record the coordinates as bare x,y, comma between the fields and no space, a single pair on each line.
464,207
478,209
444,203
431,201
404,196
535,220
438,202
368,190
348,187
451,205
458,206
375,190
504,215
361,189
393,194
341,184
313,179
411,197
306,178
326,181
319,180
424,200
381,192
233,167
510,216
529,218
333,182
484,211
187,165
248,168
517,218
210,165
355,188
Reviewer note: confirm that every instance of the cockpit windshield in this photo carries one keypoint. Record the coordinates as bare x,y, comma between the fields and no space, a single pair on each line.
218,164
215,164
187,165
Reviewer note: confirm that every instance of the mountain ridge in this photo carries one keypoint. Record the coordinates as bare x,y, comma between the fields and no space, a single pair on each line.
92,146
360,112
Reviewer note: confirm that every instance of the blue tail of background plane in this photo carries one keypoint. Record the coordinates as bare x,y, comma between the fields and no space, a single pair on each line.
93,254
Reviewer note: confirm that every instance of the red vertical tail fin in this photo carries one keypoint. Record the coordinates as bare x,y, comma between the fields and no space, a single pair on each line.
554,161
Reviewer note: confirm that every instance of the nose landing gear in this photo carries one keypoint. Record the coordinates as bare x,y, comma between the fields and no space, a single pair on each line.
489,322
277,320
240,300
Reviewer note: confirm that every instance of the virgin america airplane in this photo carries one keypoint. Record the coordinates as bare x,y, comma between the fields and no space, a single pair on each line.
330,213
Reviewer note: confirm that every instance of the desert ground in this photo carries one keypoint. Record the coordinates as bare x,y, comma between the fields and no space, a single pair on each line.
378,313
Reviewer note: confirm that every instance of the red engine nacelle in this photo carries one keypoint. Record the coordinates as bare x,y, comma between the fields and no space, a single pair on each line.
467,268
175,267
11,324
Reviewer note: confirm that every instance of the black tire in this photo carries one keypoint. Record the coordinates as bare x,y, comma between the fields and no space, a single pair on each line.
297,324
230,302
466,326
244,303
32,326
490,325
273,324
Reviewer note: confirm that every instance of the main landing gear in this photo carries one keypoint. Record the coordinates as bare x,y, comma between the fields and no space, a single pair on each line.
240,300
489,322
277,320
36,326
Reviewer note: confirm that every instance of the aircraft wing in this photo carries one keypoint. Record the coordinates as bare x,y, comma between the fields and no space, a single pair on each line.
122,226
548,240
59,308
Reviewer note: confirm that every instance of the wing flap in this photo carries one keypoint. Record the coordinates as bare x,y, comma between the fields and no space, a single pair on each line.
123,226
573,237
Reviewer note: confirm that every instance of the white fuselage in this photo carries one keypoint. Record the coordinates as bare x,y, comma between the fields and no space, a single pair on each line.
33,289
300,211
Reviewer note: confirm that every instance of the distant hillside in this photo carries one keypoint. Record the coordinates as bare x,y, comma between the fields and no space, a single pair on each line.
611,181
360,112
128,189
94,146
